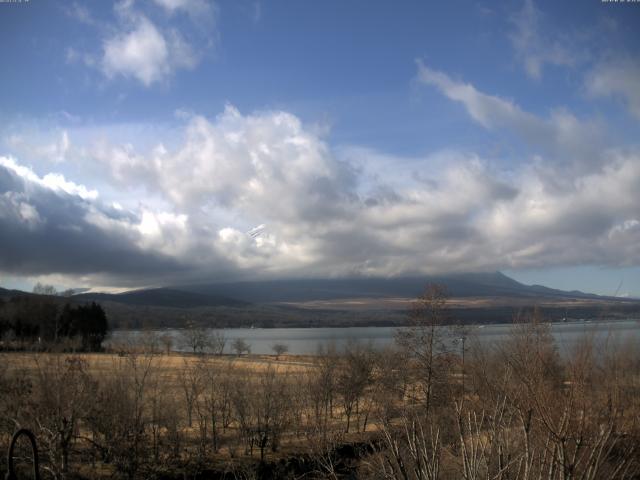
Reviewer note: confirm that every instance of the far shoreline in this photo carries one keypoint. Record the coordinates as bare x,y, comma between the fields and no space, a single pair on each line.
376,325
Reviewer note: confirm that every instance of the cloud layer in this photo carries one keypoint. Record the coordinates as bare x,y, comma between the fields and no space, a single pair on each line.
619,78
50,225
263,195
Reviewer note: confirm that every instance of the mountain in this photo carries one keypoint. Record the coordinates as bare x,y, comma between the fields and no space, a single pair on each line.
476,298
238,294
494,284
162,297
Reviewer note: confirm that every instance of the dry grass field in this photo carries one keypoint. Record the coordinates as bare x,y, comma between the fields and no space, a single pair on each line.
514,411
257,405
170,365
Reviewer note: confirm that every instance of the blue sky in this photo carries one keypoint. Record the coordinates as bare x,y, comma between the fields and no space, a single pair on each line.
360,138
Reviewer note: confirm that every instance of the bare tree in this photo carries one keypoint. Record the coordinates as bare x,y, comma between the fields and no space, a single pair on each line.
323,446
354,376
63,393
423,341
240,346
215,398
391,382
241,399
149,341
279,349
413,451
321,384
191,379
461,333
218,342
166,339
270,406
43,289
201,403
119,418
196,338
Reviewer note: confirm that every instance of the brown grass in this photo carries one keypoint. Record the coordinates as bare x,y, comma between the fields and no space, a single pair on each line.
99,363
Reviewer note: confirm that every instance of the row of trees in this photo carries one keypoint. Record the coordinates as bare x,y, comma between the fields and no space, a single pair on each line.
514,410
198,340
138,414
38,319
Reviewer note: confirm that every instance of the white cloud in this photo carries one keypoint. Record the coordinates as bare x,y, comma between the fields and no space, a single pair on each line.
141,53
489,111
56,181
535,49
181,53
173,5
362,212
148,51
52,181
191,7
54,150
617,78
569,139
321,212
81,13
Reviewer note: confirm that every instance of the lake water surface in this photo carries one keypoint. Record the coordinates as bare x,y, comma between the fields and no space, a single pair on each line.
307,340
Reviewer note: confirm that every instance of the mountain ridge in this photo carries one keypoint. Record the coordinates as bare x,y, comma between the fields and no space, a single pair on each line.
457,285
163,297
244,293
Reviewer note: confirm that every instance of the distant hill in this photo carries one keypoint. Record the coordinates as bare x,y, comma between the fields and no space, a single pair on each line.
162,297
494,284
476,298
6,294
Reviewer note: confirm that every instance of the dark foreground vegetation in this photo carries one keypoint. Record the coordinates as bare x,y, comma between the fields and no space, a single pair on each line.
516,410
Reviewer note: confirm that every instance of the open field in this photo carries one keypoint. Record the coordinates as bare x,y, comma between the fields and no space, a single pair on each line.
171,365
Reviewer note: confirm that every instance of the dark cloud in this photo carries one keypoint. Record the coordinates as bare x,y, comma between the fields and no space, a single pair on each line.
45,231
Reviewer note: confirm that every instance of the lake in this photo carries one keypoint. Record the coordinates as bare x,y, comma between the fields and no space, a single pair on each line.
306,340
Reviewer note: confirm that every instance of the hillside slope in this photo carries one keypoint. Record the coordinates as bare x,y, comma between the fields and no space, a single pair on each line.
162,297
494,284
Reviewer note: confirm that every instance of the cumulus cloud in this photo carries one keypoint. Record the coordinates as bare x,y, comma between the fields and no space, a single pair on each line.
141,53
49,227
263,195
617,78
52,181
148,51
145,53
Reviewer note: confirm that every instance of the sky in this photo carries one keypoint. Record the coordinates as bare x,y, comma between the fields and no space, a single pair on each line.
161,142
